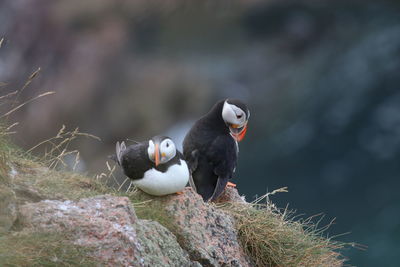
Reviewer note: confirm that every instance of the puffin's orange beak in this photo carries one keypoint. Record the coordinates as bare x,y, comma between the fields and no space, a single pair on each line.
241,134
157,155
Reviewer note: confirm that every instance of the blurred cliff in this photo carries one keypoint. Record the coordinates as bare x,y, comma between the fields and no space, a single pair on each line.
321,79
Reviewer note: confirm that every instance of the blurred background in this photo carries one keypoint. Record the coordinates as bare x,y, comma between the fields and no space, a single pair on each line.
321,78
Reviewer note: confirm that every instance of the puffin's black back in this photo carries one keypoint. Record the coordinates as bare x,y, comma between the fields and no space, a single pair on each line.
210,152
135,161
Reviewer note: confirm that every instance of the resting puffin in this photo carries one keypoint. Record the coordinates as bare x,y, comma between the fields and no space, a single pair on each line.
211,147
156,167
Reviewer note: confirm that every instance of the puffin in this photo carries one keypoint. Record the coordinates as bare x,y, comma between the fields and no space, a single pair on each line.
211,147
155,166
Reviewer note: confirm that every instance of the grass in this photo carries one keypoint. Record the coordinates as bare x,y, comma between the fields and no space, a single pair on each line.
4,179
6,149
273,238
30,173
54,184
42,249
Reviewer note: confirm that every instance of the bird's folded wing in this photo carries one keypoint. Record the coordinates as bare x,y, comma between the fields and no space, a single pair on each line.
224,157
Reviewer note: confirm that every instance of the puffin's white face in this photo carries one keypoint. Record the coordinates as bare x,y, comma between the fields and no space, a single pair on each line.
233,115
161,153
236,119
167,150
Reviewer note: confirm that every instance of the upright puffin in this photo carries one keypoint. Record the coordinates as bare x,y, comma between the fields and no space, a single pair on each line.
211,147
156,166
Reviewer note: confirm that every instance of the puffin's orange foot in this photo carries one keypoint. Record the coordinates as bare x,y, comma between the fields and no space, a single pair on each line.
231,184
179,193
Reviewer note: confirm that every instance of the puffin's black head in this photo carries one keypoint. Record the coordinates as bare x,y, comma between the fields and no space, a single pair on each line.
236,114
161,149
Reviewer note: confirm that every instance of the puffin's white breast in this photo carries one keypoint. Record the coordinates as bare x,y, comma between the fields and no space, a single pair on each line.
159,183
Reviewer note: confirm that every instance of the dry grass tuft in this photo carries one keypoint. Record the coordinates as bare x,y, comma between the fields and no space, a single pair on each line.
273,238
10,103
126,186
13,97
56,148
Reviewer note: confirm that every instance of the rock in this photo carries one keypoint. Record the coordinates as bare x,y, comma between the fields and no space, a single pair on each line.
104,223
206,233
159,246
8,208
109,226
231,194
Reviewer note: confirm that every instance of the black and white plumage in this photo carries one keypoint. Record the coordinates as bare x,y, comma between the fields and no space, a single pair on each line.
155,166
211,147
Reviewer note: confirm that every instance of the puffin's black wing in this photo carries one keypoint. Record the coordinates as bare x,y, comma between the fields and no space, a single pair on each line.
135,161
192,161
191,155
223,157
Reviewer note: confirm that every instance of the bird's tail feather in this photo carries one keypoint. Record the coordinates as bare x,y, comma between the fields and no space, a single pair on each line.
119,149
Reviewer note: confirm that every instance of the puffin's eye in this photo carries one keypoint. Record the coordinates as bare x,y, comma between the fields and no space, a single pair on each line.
239,116
167,144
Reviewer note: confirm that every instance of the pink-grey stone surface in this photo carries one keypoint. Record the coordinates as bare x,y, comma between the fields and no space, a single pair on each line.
205,232
108,225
